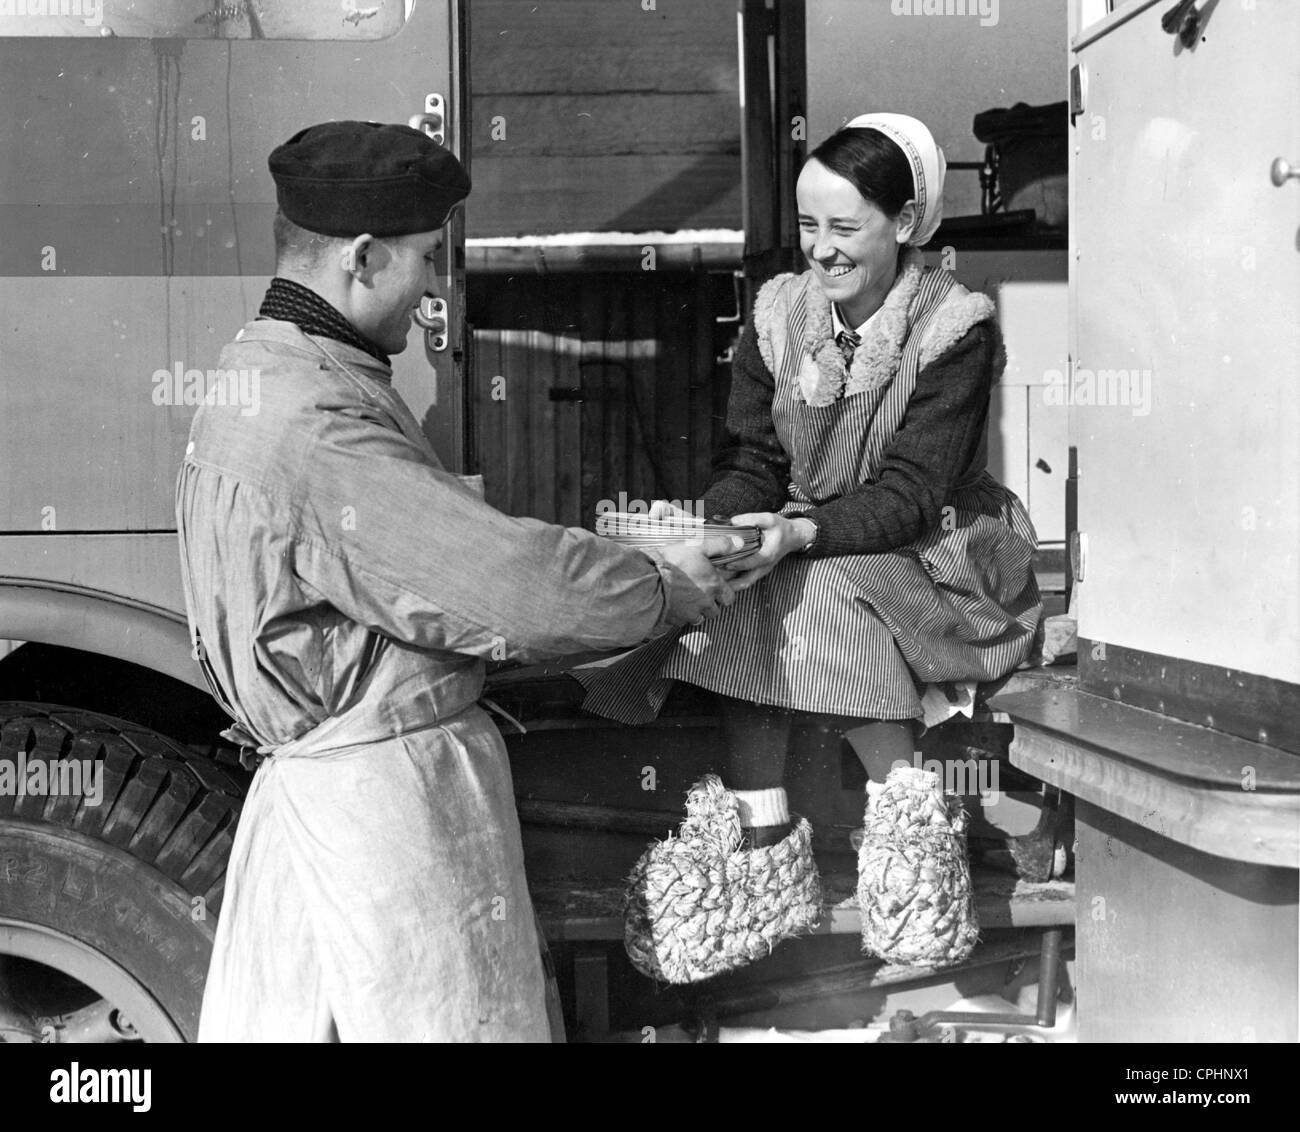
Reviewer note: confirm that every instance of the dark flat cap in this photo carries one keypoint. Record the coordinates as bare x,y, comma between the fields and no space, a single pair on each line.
346,178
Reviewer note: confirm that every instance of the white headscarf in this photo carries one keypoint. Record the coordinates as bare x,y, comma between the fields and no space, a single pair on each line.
928,164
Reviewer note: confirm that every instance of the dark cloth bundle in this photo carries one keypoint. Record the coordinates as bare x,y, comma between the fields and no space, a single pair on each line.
1033,161
1023,121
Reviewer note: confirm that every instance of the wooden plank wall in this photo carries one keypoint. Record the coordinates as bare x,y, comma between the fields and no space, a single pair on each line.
640,352
614,118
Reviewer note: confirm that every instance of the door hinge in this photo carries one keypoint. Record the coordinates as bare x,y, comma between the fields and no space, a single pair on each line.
1077,100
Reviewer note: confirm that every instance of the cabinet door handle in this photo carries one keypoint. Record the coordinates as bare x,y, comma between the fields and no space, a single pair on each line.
1282,171
1182,20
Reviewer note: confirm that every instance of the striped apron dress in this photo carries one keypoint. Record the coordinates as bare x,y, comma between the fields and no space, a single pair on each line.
856,635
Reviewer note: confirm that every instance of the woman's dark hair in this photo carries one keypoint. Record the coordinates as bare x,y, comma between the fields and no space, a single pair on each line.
872,164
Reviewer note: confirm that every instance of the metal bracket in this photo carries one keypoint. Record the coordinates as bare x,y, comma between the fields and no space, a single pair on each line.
432,315
942,1025
1078,554
434,119
738,294
1077,106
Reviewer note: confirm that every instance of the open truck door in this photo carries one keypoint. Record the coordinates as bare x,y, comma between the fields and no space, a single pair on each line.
135,239
1179,742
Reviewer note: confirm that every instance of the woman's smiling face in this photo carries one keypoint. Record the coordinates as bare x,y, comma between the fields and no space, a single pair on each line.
851,245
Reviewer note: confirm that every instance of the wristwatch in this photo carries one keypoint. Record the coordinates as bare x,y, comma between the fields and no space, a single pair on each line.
815,529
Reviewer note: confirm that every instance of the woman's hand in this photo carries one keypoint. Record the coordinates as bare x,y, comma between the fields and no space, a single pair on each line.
662,509
781,536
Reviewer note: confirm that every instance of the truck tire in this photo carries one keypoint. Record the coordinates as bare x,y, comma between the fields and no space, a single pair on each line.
108,904
108,909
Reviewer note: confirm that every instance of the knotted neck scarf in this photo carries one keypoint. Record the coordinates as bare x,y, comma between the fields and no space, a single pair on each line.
288,301
848,341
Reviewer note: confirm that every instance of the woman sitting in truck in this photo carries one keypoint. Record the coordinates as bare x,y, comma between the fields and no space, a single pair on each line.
856,440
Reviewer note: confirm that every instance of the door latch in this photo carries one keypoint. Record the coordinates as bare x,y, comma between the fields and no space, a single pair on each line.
434,119
432,315
432,312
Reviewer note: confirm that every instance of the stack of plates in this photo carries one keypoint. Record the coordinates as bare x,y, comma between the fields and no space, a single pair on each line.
642,531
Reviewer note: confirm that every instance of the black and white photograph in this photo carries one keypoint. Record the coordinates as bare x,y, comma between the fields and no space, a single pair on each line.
650,521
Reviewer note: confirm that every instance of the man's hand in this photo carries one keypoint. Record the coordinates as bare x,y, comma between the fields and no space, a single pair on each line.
781,536
704,590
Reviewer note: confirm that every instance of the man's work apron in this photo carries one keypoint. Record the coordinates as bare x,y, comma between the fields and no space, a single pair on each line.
376,892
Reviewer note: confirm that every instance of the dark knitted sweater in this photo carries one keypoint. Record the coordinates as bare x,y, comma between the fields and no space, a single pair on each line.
934,450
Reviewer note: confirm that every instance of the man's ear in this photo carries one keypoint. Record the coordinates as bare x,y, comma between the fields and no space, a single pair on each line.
905,224
356,256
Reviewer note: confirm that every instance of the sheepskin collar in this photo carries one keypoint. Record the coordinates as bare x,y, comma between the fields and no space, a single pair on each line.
823,376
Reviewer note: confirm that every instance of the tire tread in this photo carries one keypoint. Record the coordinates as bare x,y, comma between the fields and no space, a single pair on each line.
166,805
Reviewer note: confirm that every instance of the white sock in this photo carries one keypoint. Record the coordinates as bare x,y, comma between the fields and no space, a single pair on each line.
762,807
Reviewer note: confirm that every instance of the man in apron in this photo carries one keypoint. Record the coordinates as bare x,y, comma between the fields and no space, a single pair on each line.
343,591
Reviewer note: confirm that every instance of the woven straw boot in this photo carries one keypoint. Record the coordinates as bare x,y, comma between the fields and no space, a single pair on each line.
914,886
699,904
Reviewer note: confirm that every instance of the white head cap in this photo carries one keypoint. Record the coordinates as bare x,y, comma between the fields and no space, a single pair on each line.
928,163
